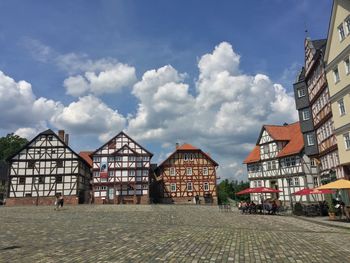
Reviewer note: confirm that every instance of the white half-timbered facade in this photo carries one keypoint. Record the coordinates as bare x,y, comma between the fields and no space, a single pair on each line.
185,174
47,167
121,171
278,162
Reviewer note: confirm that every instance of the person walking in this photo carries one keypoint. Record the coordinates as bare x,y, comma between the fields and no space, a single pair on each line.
61,201
57,202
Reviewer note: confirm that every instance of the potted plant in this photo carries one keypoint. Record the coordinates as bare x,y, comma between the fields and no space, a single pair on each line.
331,208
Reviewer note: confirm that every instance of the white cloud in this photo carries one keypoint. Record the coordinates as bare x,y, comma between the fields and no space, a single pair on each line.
19,106
223,117
89,115
108,81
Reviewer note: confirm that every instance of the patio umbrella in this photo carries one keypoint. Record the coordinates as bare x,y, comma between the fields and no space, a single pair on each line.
259,190
310,191
339,184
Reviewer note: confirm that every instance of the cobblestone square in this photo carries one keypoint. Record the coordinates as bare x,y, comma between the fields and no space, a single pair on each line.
163,233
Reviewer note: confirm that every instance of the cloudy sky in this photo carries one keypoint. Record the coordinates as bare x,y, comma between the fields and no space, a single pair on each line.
209,73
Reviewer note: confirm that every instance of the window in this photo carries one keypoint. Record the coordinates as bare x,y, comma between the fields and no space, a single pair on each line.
189,171
315,181
110,173
96,174
206,186
296,181
191,157
336,75
312,162
131,173
290,182
59,179
22,180
341,32
292,160
31,164
28,195
132,158
145,158
266,148
310,139
205,171
301,92
118,158
259,183
189,186
347,65
186,157
59,163
341,107
172,171
306,114
173,187
110,159
41,179
50,137
96,159
269,165
347,141
347,24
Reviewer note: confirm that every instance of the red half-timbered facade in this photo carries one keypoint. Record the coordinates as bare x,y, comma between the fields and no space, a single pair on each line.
187,173
46,167
121,172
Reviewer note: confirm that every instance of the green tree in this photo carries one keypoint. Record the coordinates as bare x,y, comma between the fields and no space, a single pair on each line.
228,189
10,144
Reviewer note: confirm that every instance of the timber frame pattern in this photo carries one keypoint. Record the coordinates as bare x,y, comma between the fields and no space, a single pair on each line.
187,173
45,167
322,117
121,171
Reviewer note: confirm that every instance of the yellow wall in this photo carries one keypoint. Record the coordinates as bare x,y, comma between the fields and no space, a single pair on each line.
344,155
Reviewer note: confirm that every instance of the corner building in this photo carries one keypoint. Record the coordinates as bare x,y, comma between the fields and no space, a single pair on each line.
278,161
186,173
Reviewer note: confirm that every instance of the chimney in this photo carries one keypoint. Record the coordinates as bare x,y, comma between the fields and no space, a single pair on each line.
61,134
177,145
66,139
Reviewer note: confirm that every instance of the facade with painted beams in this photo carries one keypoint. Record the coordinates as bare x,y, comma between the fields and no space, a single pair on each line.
121,172
188,172
337,60
278,161
316,119
46,167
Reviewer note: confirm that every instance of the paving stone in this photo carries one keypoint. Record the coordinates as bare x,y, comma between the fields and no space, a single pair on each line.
163,233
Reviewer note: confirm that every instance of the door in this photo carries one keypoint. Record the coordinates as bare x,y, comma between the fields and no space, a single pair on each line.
111,193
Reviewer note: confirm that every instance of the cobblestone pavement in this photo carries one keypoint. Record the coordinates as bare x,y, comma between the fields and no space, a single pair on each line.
160,233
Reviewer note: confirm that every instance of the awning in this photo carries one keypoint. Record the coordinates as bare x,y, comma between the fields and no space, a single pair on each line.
339,184
310,191
258,190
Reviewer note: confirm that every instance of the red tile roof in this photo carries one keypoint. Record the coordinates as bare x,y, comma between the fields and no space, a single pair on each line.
290,133
86,156
186,147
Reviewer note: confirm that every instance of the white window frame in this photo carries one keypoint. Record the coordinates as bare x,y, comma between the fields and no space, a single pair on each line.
347,25
173,187
310,139
118,158
336,75
301,92
189,169
347,65
186,157
205,171
347,140
296,181
259,183
189,189
341,32
315,181
306,114
341,107
206,186
172,171
132,173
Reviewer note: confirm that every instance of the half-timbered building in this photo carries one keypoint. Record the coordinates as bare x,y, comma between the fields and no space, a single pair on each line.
45,167
186,173
278,161
315,114
121,172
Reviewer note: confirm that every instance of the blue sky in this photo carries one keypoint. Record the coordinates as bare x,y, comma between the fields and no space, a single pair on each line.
46,43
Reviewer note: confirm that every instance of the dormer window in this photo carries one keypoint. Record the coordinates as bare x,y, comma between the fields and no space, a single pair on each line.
301,92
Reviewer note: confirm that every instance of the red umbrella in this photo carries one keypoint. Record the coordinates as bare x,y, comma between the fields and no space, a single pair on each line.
258,190
310,191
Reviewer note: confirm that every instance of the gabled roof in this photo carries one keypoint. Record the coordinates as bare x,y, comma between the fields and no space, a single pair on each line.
189,147
123,147
290,133
86,156
122,133
319,44
48,132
